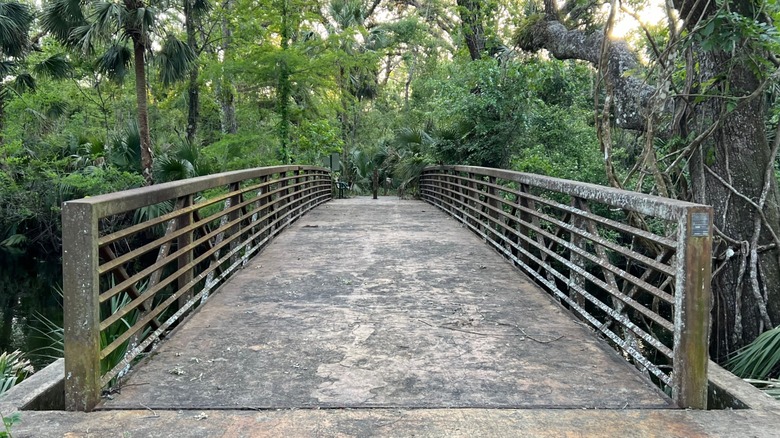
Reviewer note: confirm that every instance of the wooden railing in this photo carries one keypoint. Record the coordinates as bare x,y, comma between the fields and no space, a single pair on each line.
636,267
135,262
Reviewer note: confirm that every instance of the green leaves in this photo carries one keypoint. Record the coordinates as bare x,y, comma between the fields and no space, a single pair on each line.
15,20
60,17
115,61
759,358
55,67
175,60
14,367
23,82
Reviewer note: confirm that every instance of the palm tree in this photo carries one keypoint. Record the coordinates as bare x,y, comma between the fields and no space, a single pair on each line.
15,46
123,31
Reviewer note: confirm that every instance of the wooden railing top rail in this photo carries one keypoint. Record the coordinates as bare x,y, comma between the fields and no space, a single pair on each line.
127,200
651,205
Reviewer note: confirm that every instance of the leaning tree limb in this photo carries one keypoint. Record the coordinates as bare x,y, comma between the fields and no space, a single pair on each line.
632,94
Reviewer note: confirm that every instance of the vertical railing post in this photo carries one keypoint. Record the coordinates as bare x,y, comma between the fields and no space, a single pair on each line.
577,281
233,216
692,308
81,287
297,190
184,241
262,210
436,191
525,218
307,176
492,218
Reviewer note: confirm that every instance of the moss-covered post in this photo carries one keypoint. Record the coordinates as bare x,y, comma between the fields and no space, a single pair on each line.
692,308
81,306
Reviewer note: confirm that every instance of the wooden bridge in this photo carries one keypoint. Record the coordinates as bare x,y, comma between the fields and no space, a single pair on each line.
386,303
475,311
502,304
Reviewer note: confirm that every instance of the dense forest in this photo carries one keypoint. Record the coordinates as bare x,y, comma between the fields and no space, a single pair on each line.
675,98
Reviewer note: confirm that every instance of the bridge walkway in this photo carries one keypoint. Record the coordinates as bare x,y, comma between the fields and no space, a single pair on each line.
382,304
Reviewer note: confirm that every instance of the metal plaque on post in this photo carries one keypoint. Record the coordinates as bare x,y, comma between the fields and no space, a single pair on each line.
700,225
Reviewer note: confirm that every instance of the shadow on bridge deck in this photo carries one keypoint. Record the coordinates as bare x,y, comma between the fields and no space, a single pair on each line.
384,303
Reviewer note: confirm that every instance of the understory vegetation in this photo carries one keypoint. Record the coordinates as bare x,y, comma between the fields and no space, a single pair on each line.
97,97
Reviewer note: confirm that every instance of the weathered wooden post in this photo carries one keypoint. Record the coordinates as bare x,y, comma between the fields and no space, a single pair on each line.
185,259
492,215
233,216
525,218
577,281
81,305
692,308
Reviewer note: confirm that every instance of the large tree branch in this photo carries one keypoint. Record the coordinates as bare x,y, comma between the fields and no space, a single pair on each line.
632,94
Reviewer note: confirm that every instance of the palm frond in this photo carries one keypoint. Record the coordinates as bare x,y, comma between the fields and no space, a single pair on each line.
108,17
59,17
7,67
125,148
140,19
759,358
168,168
175,60
410,168
115,62
56,67
771,387
83,38
200,7
14,240
51,332
23,82
14,367
15,20
56,109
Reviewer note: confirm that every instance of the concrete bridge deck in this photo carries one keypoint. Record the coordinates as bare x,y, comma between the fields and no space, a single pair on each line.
384,303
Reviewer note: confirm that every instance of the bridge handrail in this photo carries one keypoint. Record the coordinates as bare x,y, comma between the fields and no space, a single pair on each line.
636,267
129,277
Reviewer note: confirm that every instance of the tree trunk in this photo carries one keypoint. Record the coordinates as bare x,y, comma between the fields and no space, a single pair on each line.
471,15
747,300
225,86
283,89
193,89
143,109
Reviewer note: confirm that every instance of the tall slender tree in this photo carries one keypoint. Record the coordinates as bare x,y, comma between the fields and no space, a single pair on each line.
193,13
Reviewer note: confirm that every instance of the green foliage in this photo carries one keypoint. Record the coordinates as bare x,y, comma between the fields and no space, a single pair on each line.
175,60
759,362
760,359
34,186
241,151
524,32
528,115
14,368
15,21
8,423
